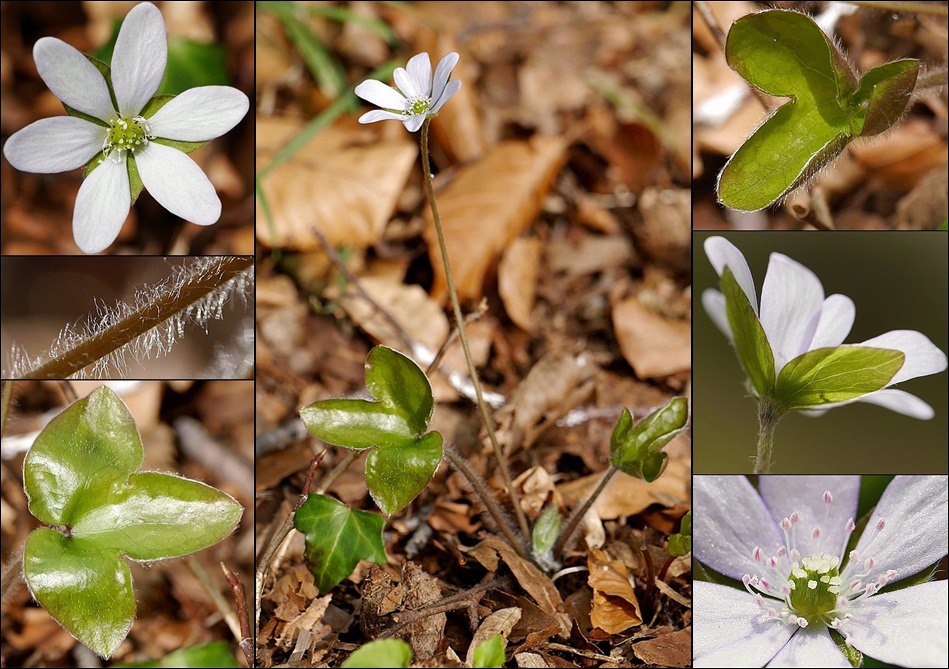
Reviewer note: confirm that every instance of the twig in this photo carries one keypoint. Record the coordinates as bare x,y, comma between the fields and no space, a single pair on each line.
10,576
706,13
237,589
581,511
211,588
931,8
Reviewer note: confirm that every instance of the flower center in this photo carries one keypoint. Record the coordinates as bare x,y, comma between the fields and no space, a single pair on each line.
417,105
815,586
126,135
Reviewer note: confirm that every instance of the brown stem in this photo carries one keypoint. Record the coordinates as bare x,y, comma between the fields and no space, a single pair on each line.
237,589
581,511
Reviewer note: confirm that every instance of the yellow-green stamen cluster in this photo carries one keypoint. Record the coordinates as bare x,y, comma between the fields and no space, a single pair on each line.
815,586
126,135
417,106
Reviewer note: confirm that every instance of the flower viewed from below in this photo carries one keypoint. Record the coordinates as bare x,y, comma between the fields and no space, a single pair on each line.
124,137
812,596
417,97
791,348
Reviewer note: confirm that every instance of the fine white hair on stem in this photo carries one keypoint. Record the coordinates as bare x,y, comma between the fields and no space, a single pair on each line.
170,324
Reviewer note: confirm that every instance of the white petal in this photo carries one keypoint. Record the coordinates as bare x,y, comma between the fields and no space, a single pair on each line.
805,494
376,92
916,511
791,300
811,647
54,145
722,252
404,82
419,69
729,630
72,78
101,206
139,57
442,73
413,123
922,356
380,115
900,401
730,519
836,319
200,114
450,90
714,303
178,184
907,627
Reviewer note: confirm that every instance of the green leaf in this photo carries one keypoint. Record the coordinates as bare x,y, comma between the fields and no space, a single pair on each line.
681,543
854,656
883,96
214,654
192,64
546,529
489,653
158,516
396,475
337,538
357,423
79,455
400,385
86,589
751,342
637,449
380,654
828,375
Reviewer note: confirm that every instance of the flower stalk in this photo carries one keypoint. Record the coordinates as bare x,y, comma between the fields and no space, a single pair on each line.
768,416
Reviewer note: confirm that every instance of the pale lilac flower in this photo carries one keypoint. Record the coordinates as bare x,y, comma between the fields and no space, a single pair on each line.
788,547
65,143
797,318
417,98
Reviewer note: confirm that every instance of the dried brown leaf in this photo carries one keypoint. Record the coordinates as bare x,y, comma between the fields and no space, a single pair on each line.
517,279
654,346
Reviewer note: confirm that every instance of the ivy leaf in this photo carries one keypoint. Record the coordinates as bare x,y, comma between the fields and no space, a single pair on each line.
637,449
785,53
751,342
404,459
839,374
79,477
337,538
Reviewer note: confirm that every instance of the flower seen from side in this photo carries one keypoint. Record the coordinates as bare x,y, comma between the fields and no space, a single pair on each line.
417,97
123,136
809,599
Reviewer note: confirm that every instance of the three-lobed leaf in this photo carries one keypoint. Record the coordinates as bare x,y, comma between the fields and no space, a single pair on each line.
404,458
637,449
337,538
79,477
785,53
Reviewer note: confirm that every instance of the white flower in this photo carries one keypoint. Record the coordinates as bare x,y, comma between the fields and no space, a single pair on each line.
797,318
801,582
65,143
417,97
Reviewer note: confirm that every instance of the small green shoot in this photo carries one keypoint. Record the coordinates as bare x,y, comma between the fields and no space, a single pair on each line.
489,654
637,449
215,654
681,543
380,654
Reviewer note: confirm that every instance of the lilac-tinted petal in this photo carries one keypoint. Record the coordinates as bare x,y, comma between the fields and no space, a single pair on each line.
922,356
178,184
805,494
722,252
836,319
450,90
200,114
101,206
419,70
54,145
899,401
413,123
714,303
138,61
380,115
811,647
729,630
916,511
730,520
907,627
442,73
72,78
791,300
376,92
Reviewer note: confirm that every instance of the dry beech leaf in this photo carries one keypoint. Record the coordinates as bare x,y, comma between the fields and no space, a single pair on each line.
500,622
531,661
344,181
667,650
615,606
488,205
654,346
517,279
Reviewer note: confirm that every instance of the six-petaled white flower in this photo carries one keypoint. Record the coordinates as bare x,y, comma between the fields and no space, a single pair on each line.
121,133
787,545
417,98
797,318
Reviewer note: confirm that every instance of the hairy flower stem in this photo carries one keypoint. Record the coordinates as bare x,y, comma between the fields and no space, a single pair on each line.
581,511
460,323
193,287
768,417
